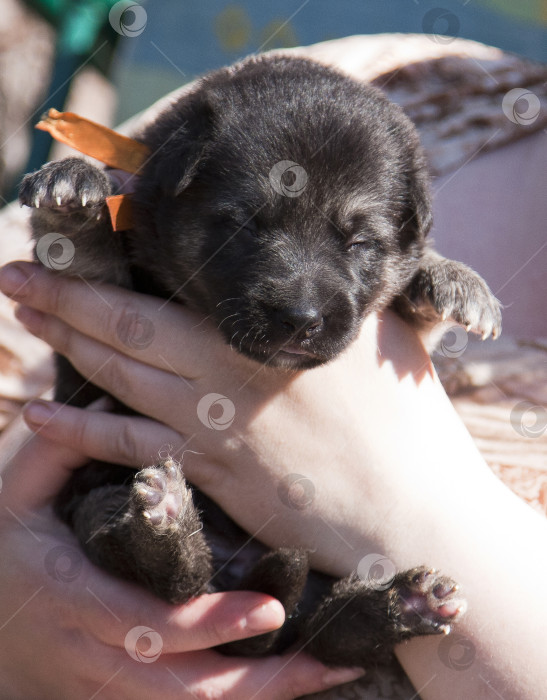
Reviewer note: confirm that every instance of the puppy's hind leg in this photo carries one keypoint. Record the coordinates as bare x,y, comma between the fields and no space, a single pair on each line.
148,531
281,574
358,624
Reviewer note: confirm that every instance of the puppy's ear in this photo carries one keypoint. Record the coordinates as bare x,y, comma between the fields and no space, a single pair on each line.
417,216
178,140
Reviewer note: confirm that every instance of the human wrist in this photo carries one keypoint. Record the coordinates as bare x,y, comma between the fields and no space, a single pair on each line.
410,498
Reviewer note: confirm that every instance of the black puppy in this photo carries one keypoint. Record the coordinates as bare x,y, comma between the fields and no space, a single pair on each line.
287,202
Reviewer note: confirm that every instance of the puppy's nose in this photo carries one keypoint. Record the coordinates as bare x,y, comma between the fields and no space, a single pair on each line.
304,320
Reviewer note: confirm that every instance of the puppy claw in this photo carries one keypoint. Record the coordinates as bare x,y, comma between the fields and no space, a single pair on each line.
59,201
149,495
84,200
170,468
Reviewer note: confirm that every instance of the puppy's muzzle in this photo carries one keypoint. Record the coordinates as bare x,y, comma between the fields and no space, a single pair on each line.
299,321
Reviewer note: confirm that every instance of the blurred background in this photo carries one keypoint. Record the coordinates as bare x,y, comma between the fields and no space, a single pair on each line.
108,60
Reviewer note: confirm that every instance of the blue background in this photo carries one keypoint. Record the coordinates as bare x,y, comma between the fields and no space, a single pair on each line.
184,38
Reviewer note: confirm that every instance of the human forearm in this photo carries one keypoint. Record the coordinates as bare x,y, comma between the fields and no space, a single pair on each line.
494,545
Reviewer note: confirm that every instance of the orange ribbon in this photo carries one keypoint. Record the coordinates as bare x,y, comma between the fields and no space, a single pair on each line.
104,144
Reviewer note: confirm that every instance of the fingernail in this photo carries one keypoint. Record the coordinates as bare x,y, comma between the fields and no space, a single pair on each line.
13,280
38,412
263,618
337,676
30,318
104,403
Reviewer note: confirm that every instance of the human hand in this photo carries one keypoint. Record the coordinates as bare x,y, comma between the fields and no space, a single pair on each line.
391,467
69,630
378,403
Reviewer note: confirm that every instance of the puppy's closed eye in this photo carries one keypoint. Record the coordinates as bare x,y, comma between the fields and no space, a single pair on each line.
249,227
363,243
358,234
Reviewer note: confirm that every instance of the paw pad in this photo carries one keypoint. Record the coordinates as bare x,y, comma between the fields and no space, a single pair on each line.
160,494
429,601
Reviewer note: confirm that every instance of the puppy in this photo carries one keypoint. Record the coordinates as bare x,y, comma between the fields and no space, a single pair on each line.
286,201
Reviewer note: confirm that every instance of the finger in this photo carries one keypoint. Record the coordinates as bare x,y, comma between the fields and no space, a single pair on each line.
208,674
128,440
141,624
116,612
138,325
294,675
135,384
33,468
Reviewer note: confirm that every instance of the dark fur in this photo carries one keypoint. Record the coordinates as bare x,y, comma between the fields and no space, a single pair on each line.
288,281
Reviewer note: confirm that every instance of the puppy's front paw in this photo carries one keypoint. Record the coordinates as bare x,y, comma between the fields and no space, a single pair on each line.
427,601
455,291
66,186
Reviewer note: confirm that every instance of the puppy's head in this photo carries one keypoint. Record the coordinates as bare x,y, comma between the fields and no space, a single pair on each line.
286,201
